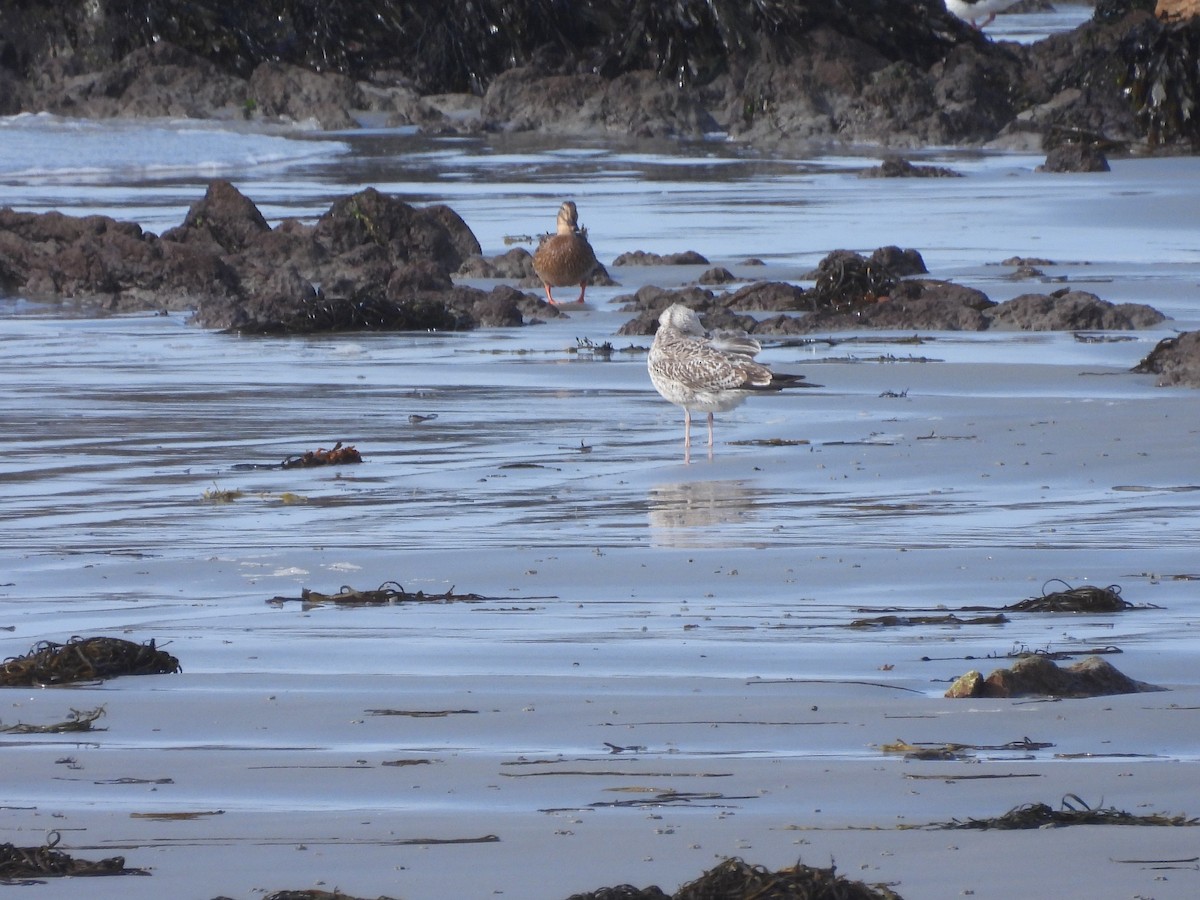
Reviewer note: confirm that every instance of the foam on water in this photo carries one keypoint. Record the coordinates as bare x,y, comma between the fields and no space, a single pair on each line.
44,149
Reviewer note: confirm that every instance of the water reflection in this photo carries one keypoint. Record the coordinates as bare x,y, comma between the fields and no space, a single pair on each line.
700,513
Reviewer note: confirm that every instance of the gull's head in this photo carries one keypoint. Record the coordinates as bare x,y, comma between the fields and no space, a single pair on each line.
682,319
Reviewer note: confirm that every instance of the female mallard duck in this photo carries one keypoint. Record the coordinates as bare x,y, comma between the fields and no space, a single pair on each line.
565,257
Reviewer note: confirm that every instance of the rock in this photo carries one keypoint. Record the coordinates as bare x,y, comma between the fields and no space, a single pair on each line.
900,74
97,260
158,80
294,93
1038,676
642,258
716,275
898,167
374,224
1071,310
965,686
877,300
769,295
897,75
224,220
1175,360
929,306
1027,261
650,300
1075,157
636,103
899,263
370,262
516,264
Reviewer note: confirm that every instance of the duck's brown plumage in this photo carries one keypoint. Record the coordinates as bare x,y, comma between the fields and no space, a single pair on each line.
566,257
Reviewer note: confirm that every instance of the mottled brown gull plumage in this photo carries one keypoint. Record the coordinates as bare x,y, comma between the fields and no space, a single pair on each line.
566,257
706,374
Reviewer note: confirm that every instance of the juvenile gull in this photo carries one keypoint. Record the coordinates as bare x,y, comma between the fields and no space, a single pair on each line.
565,257
707,374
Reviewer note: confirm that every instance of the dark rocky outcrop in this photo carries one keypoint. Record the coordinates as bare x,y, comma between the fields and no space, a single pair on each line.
1075,157
370,262
884,291
636,104
898,167
1175,360
1070,310
904,73
716,275
642,258
99,260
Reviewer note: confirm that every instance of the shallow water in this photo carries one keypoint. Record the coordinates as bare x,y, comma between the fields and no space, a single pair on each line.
964,469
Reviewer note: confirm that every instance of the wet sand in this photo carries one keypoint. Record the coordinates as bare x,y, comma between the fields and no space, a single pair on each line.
661,674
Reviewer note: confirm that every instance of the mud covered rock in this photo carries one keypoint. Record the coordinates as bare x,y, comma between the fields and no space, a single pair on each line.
111,264
516,264
370,262
1175,360
899,167
1075,157
642,258
716,275
1037,676
1071,310
638,104
910,303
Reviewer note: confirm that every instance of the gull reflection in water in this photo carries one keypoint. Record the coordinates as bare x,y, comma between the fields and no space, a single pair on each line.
699,513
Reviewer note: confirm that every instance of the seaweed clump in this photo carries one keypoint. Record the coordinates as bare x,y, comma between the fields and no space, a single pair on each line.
1086,599
390,593
1072,811
26,864
845,280
339,455
1162,59
85,659
735,879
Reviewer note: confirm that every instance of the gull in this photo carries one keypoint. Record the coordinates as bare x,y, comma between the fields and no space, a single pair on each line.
971,10
704,373
565,257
